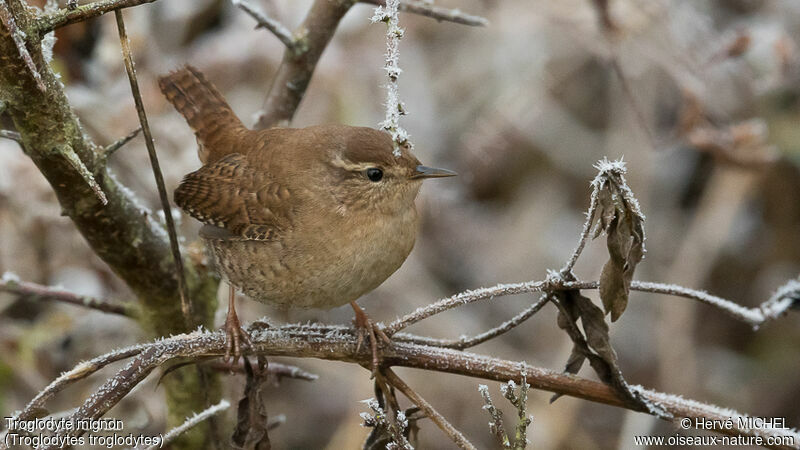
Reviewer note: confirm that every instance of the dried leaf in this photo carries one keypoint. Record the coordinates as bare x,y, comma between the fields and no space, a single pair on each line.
252,421
622,221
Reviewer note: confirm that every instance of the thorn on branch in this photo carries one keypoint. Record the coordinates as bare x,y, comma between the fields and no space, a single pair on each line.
20,39
83,171
264,21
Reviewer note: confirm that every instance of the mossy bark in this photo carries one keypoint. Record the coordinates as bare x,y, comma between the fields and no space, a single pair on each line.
125,235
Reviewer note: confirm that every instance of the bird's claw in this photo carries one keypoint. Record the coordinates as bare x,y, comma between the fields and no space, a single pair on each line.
235,336
365,327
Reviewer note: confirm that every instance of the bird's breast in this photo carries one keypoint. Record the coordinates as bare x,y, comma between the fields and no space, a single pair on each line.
322,263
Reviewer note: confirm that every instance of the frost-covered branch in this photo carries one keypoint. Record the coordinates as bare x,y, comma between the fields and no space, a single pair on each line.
394,106
435,12
454,435
191,422
339,343
787,297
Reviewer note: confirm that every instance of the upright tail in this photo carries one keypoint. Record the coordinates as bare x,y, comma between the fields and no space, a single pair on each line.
212,119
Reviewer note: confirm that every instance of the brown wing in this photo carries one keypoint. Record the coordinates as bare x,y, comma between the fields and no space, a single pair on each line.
229,194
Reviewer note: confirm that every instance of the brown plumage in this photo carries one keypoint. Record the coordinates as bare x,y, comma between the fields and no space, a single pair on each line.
308,217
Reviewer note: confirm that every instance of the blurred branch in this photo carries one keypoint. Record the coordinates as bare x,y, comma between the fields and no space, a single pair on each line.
290,83
339,344
426,407
435,12
264,21
46,23
39,292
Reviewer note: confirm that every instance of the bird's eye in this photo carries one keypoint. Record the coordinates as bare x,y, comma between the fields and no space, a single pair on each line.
374,174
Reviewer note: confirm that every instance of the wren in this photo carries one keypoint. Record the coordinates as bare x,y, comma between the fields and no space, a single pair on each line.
296,217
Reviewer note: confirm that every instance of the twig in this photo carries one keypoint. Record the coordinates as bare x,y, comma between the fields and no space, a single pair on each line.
49,22
463,298
13,135
7,18
40,292
116,145
426,407
186,304
506,326
190,422
435,12
785,298
264,21
587,226
339,343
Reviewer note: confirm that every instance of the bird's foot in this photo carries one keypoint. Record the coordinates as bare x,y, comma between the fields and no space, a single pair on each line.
235,336
365,327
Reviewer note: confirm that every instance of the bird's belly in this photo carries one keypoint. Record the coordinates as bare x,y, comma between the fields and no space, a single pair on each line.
318,271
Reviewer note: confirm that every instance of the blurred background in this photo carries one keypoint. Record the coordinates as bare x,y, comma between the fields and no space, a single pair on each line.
700,97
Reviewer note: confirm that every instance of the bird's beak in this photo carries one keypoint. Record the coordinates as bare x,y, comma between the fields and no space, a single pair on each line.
431,172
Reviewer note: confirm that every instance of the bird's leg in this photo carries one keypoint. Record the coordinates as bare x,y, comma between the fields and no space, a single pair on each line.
234,333
364,325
